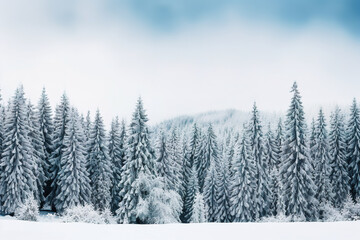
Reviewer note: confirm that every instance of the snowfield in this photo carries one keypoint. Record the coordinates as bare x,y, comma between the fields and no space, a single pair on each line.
13,229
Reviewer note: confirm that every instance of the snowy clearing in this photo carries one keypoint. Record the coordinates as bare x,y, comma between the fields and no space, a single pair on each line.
16,229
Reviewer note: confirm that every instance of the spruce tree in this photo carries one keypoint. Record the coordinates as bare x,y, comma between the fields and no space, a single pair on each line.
190,161
164,167
210,196
191,191
263,197
223,192
46,129
273,159
17,178
60,125
176,160
116,154
244,184
73,181
100,167
38,151
339,176
211,154
139,160
296,180
322,159
353,150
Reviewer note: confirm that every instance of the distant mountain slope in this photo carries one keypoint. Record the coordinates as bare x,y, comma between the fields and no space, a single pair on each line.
222,121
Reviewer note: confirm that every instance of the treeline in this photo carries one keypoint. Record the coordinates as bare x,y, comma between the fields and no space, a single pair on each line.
70,160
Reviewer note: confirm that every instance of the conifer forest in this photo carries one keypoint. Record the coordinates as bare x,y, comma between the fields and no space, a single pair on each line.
72,164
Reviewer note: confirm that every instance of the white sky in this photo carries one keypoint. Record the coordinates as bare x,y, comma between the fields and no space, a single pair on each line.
211,65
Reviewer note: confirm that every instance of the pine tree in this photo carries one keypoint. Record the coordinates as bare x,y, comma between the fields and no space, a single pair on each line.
139,159
271,150
116,154
322,159
72,181
190,161
201,161
296,180
38,151
100,167
191,191
211,154
46,129
163,164
339,177
244,184
273,160
263,197
353,150
223,192
313,143
176,159
60,125
210,196
17,179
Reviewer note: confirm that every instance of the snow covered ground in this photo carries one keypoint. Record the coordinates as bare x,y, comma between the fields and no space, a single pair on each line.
13,229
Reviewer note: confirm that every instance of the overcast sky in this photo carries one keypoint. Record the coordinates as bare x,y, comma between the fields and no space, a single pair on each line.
181,56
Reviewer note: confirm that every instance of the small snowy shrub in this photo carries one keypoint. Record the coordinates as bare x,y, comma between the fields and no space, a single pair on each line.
351,210
157,205
86,214
199,209
28,211
107,216
278,218
331,214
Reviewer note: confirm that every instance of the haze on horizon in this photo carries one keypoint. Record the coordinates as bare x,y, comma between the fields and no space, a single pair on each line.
181,57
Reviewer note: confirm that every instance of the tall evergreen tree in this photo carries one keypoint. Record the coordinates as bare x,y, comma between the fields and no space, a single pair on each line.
190,161
72,181
211,154
46,129
60,125
210,191
297,184
223,192
165,167
263,197
116,154
191,191
139,160
176,159
38,151
339,176
244,184
353,150
17,178
322,159
100,167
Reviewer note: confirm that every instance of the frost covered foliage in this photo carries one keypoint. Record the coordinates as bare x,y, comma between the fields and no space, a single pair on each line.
100,167
298,188
200,171
156,204
139,160
87,214
28,211
18,166
351,210
72,180
199,209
